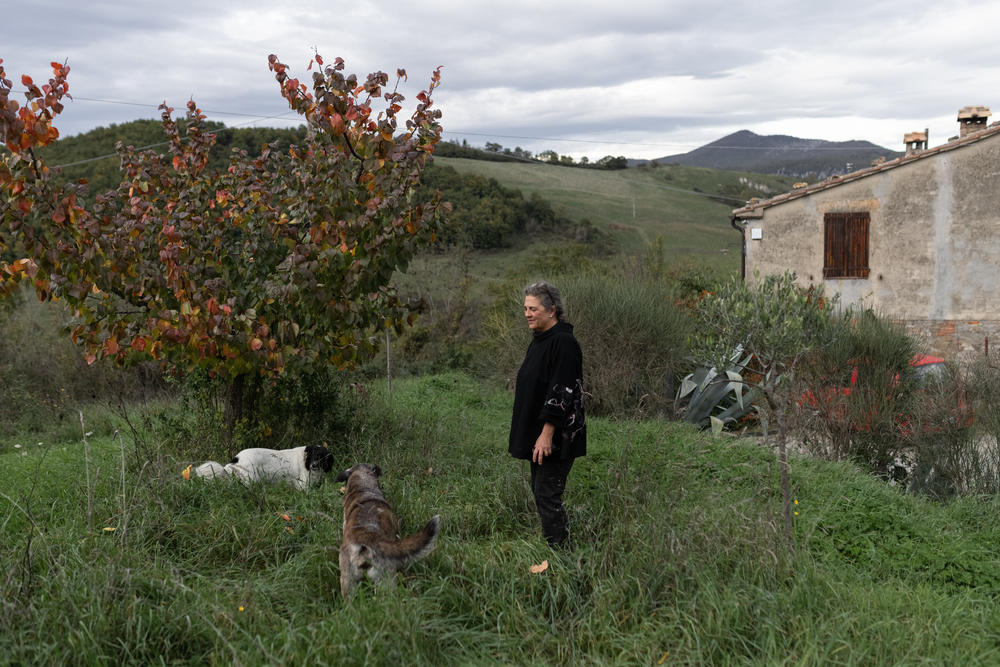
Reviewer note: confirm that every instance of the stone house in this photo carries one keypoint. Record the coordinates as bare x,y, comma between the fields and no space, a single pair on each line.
916,238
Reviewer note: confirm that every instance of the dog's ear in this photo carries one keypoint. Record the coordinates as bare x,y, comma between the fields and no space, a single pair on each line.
376,471
343,475
326,459
318,457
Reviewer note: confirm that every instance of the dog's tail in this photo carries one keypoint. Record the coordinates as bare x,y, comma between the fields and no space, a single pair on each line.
411,549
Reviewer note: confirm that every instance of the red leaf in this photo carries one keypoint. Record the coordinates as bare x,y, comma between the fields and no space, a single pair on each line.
111,346
337,124
26,80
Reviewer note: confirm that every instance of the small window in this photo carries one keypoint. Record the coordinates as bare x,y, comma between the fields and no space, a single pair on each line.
845,245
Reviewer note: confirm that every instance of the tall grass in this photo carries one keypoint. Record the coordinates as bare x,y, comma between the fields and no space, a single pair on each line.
634,339
678,558
44,379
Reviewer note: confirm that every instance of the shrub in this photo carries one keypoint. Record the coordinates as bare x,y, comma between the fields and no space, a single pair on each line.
946,457
43,376
862,425
902,426
284,412
982,386
634,340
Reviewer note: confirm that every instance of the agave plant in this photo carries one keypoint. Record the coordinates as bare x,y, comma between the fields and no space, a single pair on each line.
710,398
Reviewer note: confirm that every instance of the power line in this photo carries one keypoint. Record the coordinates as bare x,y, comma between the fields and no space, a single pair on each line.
259,117
638,143
163,143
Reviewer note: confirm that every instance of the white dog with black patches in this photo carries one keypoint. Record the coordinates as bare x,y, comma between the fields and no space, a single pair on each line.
302,467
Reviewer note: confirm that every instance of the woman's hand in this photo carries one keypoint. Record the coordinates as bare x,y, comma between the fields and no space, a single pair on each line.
543,445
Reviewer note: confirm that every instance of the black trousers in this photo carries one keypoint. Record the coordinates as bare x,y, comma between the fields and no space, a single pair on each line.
548,481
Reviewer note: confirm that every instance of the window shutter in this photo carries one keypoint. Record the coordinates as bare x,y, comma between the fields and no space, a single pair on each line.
845,245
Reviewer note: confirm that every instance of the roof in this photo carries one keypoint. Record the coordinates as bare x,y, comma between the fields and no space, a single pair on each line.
755,208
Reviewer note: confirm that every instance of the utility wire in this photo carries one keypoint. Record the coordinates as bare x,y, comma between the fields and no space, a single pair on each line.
259,117
164,143
638,143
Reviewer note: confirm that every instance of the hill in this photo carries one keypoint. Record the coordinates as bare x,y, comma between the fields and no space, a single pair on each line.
91,155
687,206
782,154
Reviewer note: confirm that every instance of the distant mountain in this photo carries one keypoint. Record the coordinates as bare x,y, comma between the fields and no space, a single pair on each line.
781,154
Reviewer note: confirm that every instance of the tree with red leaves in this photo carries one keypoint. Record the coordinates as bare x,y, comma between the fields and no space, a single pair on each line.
282,262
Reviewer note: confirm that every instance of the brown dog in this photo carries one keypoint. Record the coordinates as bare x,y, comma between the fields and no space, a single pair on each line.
371,546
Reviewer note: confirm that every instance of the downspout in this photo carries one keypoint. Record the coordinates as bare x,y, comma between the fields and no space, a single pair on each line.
743,247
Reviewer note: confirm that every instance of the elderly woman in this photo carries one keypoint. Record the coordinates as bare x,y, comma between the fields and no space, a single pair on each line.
547,426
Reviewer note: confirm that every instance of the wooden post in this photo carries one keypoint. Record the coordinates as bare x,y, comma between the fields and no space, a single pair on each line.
388,365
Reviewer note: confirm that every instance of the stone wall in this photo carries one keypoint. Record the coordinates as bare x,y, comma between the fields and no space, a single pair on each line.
959,340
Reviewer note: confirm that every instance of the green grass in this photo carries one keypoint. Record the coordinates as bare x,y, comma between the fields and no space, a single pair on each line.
665,202
679,555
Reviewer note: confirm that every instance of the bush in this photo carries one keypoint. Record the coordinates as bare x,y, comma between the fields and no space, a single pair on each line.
946,458
284,412
862,425
901,426
43,376
634,340
982,386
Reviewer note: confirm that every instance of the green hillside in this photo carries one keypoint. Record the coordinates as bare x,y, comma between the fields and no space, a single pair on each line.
688,206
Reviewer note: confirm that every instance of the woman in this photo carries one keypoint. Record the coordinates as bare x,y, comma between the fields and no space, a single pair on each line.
547,426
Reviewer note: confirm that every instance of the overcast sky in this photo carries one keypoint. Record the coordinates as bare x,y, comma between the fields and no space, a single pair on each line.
634,78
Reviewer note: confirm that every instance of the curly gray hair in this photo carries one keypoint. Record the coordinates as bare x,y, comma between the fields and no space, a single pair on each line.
548,295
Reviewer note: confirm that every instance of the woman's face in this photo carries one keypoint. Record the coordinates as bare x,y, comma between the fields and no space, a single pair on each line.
539,319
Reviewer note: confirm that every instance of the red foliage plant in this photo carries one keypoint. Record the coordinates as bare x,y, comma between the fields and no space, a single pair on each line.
282,261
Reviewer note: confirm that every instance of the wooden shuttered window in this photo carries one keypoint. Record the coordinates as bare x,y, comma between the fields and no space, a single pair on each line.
845,245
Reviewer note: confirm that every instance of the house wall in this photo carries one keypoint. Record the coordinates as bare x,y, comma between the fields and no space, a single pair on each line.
934,244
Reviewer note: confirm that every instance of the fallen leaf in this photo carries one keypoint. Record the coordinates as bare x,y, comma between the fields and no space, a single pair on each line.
285,517
342,489
109,529
289,529
187,473
430,471
541,567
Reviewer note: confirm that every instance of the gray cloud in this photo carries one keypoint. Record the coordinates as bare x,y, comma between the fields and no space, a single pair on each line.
647,78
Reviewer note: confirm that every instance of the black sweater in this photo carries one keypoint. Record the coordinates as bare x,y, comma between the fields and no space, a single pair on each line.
550,389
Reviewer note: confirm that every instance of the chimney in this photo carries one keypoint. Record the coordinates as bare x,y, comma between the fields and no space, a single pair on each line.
972,119
915,141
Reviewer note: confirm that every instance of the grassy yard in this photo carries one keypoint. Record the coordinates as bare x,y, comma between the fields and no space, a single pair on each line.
679,558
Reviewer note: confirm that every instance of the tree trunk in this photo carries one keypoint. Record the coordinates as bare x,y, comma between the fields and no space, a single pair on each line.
241,403
780,413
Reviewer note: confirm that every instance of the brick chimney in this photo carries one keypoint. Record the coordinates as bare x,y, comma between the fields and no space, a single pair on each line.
972,119
915,141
